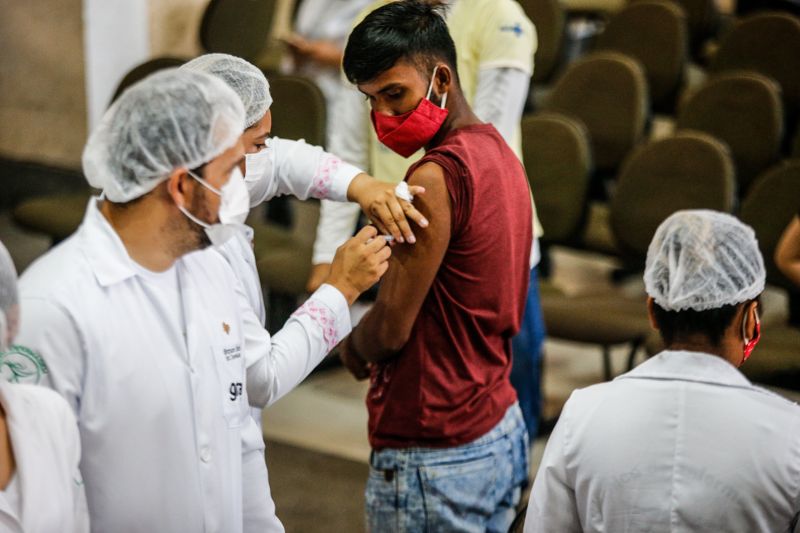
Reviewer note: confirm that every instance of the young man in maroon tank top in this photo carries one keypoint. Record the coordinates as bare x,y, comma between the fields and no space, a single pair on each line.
449,443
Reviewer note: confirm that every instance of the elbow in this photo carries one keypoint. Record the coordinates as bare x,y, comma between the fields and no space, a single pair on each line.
388,343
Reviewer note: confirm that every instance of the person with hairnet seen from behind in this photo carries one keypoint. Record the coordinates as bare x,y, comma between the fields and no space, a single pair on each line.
275,167
41,490
684,442
147,332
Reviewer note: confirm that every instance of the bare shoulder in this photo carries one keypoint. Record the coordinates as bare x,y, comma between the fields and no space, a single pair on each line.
427,175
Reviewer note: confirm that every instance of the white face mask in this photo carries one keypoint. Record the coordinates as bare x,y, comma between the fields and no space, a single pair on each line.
233,208
259,168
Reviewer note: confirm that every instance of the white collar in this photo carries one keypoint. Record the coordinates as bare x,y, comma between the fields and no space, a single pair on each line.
689,366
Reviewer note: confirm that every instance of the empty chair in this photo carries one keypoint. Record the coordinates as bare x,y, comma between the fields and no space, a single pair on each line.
237,27
143,70
607,91
768,208
558,162
744,110
703,21
768,43
796,144
550,21
301,113
654,33
688,171
283,258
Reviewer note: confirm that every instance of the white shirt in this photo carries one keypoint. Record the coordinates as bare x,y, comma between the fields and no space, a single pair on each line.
296,168
168,442
684,442
46,492
326,20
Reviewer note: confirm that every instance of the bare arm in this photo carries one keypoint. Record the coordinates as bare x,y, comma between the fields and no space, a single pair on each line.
787,253
386,328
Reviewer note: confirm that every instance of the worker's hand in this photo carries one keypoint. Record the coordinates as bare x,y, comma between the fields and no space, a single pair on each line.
388,212
326,53
352,362
359,263
319,273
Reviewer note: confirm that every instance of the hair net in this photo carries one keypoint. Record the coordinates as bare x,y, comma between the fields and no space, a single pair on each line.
169,120
246,79
702,260
8,297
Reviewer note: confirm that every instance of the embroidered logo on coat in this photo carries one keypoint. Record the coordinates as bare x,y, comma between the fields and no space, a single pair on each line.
22,365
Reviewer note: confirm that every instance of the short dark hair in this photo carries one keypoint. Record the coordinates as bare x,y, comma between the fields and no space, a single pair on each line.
711,323
409,29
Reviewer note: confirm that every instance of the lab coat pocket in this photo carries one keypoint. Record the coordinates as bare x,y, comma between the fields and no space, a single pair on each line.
230,365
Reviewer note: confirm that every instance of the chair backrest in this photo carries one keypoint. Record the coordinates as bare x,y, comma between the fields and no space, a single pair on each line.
299,112
607,91
768,208
140,72
768,43
654,33
744,110
690,170
795,150
238,27
703,21
558,162
550,21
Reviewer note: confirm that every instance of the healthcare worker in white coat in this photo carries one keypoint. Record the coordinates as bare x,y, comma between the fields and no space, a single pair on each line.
41,489
684,442
148,333
276,167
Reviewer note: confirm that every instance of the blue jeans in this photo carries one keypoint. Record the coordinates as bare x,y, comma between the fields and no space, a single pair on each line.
527,356
473,487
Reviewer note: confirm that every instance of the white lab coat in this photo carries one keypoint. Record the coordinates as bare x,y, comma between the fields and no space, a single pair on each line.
47,449
168,441
684,442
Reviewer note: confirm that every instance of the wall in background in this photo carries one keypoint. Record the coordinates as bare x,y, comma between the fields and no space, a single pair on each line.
42,91
50,88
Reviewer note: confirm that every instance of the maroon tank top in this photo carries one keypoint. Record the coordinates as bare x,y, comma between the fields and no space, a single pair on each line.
449,384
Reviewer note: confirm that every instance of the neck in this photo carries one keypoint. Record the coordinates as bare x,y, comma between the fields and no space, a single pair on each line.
459,114
729,349
141,229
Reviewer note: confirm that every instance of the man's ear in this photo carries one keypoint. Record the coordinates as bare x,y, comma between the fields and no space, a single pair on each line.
651,314
750,314
178,188
444,79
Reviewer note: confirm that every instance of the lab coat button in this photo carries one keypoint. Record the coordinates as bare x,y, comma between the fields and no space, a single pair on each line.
205,455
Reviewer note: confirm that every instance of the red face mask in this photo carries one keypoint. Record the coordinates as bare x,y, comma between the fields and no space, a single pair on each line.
407,133
749,345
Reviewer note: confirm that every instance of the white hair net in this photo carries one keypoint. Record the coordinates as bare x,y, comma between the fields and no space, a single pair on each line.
169,120
246,79
702,259
8,298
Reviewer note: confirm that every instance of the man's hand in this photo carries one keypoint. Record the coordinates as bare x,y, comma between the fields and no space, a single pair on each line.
388,212
352,362
359,263
319,273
